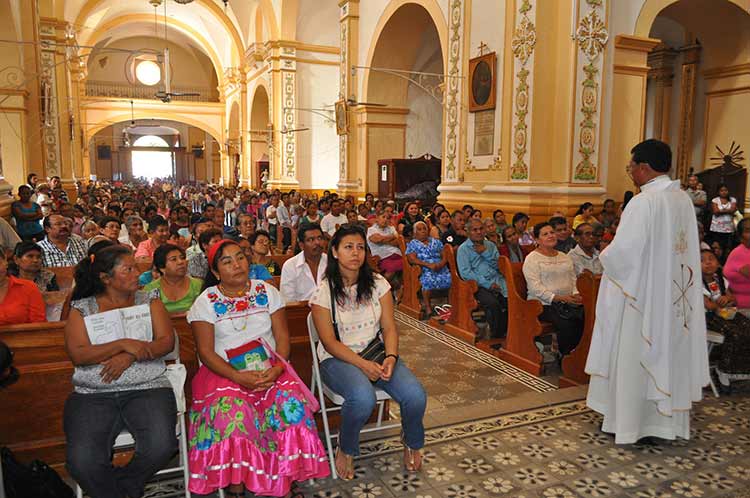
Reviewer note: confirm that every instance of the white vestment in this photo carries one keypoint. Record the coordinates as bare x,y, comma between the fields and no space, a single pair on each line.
648,359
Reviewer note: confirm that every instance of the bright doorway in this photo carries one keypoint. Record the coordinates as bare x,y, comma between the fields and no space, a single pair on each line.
151,164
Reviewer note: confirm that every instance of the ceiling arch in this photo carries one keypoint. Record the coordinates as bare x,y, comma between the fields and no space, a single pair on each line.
204,16
127,26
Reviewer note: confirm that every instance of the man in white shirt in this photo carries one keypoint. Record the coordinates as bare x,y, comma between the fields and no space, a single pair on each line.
648,360
301,274
333,220
584,255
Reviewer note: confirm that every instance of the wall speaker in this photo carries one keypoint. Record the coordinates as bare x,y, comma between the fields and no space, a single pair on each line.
198,153
103,152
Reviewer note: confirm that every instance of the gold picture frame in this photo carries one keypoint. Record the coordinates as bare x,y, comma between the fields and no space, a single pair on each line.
342,117
482,84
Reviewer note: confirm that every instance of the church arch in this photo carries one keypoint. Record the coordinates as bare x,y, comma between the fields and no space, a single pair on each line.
652,8
411,36
258,138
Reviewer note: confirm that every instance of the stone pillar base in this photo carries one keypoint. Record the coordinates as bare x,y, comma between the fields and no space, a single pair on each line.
538,201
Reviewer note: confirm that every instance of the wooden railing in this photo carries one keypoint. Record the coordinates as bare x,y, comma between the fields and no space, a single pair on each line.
118,90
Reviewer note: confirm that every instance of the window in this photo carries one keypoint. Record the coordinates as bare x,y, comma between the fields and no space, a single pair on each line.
148,72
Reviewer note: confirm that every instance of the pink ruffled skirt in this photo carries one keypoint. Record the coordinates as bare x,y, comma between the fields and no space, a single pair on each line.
263,439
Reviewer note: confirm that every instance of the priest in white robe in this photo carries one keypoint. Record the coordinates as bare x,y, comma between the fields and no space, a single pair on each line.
648,359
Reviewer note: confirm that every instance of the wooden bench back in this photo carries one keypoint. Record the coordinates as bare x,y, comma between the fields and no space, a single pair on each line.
64,276
574,364
462,301
410,303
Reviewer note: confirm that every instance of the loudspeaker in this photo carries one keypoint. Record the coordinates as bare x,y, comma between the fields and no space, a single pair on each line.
103,152
198,153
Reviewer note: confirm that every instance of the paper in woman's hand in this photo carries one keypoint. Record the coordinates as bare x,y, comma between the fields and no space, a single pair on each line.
133,322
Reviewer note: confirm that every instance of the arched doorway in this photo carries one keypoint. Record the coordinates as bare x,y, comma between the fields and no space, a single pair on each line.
696,98
259,153
152,158
410,120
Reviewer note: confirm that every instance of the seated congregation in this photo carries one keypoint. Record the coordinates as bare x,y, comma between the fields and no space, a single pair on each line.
217,273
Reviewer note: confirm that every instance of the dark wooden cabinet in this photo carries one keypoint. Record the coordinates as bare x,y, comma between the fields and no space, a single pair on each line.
397,175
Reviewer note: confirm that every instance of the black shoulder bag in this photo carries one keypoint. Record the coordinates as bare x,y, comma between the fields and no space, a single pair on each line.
375,349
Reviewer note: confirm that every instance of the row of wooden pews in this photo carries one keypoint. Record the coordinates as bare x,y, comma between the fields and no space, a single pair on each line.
518,347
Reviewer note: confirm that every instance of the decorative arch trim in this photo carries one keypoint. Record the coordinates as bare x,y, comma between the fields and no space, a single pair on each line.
237,45
436,14
120,118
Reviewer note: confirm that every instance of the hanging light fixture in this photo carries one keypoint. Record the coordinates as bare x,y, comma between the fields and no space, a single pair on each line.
183,2
155,3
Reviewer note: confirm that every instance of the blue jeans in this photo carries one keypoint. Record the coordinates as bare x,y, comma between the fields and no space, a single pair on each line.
359,401
93,421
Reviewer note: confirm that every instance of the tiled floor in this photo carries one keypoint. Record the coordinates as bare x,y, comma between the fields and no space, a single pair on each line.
513,435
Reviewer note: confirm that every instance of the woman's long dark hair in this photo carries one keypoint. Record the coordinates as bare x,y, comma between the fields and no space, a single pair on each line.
583,207
87,273
366,278
212,279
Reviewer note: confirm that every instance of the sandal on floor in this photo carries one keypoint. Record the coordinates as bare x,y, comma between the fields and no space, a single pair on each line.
349,466
234,494
294,491
412,458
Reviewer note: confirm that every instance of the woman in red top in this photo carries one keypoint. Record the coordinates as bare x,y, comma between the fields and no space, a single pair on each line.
20,300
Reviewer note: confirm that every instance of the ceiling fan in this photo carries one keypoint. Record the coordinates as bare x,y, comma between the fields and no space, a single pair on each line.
350,102
166,94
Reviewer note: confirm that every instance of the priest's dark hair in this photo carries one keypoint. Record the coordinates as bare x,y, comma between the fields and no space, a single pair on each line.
88,271
655,153
365,279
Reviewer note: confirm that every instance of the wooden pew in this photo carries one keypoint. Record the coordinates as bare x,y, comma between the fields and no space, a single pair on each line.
64,275
461,298
523,322
374,262
280,259
32,408
574,364
410,303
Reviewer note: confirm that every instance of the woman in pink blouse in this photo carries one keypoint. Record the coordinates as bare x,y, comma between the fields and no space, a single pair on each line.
737,267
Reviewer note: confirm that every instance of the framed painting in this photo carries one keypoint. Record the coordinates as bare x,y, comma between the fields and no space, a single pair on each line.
482,82
342,118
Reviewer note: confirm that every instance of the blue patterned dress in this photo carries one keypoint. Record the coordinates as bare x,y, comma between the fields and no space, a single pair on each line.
430,253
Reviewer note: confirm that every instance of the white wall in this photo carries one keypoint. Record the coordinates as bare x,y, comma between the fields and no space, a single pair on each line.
424,123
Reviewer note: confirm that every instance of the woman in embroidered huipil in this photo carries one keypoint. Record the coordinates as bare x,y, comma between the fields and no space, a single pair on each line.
251,430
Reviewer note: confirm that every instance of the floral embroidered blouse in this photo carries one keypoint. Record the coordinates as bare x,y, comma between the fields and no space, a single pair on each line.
238,320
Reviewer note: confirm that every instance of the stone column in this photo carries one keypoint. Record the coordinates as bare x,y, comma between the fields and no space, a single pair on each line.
56,116
283,100
661,75
628,108
350,179
691,58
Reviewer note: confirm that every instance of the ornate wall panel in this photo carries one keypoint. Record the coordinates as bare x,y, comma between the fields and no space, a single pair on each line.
288,101
524,42
343,85
591,37
48,92
453,91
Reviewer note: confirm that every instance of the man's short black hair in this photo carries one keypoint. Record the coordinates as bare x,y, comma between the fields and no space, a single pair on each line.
655,153
556,221
307,227
579,228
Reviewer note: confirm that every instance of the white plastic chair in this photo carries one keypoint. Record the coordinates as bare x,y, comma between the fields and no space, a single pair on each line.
177,374
324,392
713,338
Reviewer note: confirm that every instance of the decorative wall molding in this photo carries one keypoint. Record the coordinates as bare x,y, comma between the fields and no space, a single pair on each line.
50,111
343,82
288,85
524,42
453,92
591,37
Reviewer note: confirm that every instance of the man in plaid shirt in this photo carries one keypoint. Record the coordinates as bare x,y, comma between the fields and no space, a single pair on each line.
61,247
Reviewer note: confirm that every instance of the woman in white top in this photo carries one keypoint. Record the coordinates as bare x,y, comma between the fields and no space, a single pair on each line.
383,241
551,279
251,423
364,307
722,221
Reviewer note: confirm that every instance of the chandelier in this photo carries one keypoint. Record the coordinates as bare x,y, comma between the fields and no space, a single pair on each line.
183,2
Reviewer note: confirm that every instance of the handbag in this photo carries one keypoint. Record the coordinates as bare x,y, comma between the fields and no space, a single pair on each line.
37,480
568,311
375,349
309,396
